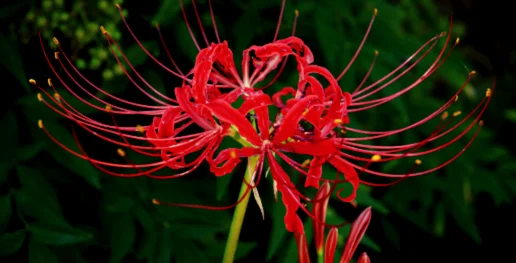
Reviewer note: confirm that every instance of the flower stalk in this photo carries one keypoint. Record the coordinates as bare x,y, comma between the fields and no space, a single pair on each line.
238,216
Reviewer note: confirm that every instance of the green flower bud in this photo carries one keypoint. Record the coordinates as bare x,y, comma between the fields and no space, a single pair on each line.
80,34
95,63
118,70
41,21
47,5
107,74
81,64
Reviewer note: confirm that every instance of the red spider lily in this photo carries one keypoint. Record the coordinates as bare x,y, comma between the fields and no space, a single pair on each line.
328,249
204,102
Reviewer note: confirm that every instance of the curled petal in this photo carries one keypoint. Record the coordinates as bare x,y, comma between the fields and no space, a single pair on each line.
315,171
290,199
230,158
292,118
191,110
349,174
276,97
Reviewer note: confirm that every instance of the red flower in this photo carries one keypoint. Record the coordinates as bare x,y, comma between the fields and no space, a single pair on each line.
201,115
328,249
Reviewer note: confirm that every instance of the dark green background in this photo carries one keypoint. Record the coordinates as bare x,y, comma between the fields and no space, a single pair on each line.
57,208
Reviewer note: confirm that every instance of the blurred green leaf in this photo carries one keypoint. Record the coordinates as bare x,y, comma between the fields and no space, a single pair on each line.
77,165
11,242
163,250
9,141
5,207
58,235
510,114
167,10
364,198
137,56
439,219
278,230
4,170
147,244
39,253
11,59
189,252
37,197
29,151
122,238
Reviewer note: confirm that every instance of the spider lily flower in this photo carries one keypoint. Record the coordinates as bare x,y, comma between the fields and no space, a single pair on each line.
327,249
192,124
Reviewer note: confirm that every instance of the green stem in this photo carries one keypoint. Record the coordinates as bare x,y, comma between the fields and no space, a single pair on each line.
238,216
320,257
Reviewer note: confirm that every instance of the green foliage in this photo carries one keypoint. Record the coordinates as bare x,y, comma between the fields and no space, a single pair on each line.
55,199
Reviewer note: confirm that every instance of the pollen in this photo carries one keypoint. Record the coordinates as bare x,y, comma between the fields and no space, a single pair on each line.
305,112
375,11
55,41
305,163
103,30
40,124
296,12
140,128
481,123
108,108
376,53
57,96
444,116
457,113
56,55
442,34
121,152
117,6
32,81
473,72
233,154
457,41
488,92
337,121
456,97
40,98
49,82
418,162
376,158
155,201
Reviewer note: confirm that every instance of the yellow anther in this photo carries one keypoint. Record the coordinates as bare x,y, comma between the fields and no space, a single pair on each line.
305,163
57,96
32,81
103,30
444,116
155,201
40,98
117,6
488,92
140,128
354,203
442,34
305,112
457,113
457,41
233,154
49,82
375,12
40,124
376,158
290,139
418,162
56,55
296,12
481,123
108,108
121,152
376,53
337,121
473,72
55,41
456,97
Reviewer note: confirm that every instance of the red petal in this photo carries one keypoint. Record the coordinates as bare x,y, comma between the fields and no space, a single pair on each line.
319,210
356,233
349,174
190,109
364,258
224,112
290,199
302,249
331,245
291,120
321,148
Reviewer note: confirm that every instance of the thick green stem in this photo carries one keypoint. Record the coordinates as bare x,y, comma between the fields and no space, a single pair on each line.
238,216
320,257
